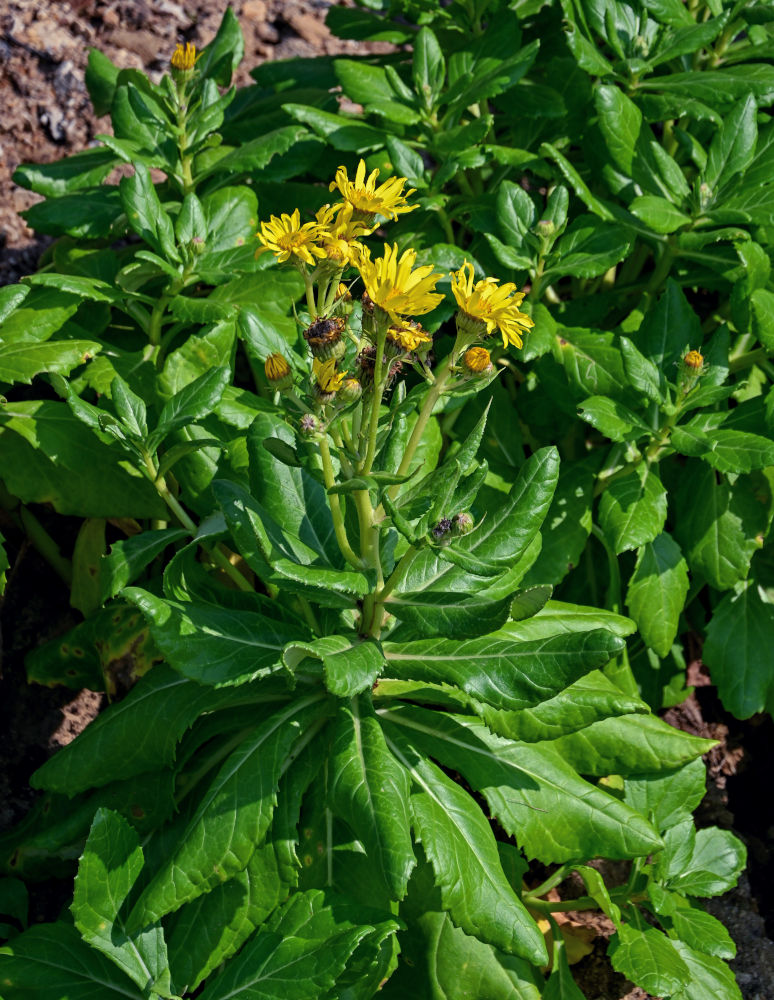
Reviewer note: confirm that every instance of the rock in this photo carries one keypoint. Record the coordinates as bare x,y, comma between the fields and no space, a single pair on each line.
254,10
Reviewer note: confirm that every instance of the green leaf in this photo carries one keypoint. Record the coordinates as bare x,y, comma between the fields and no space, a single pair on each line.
720,526
432,591
641,372
109,866
22,362
11,297
101,78
588,248
221,57
459,843
620,121
191,403
255,154
406,162
700,863
161,706
718,86
691,924
128,557
51,961
84,169
612,419
217,645
344,134
633,508
739,638
92,213
369,789
762,316
495,669
658,214
591,698
529,602
49,456
667,798
596,888
629,744
205,932
648,958
301,952
574,179
559,616
656,592
669,329
709,978
145,213
428,67
531,789
592,361
232,817
733,147
351,664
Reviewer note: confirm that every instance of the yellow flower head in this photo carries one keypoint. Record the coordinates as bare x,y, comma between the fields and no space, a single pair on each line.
286,237
408,335
477,361
367,199
490,306
276,367
184,59
339,233
694,360
326,376
396,286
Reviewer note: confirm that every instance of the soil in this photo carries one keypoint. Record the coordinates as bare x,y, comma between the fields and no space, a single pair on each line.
46,115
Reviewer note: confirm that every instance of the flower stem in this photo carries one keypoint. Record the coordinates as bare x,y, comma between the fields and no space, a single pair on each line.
336,512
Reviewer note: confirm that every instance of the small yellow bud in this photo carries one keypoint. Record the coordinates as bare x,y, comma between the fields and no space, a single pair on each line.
277,371
694,360
184,59
477,361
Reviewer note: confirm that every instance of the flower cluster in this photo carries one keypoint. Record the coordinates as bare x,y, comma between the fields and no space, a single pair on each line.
395,290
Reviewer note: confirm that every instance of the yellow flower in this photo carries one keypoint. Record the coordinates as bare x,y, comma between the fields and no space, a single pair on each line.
367,199
395,286
184,59
408,335
276,367
286,237
339,233
326,376
477,361
488,306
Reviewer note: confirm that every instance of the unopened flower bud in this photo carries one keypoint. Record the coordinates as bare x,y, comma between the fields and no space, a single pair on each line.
351,390
462,523
694,360
198,245
278,373
309,425
184,59
477,361
545,228
442,529
324,337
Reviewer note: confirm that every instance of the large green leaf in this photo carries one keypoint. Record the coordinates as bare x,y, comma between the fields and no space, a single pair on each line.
709,978
301,952
160,708
505,674
50,961
532,790
22,362
657,590
110,865
720,525
233,816
633,508
667,798
370,790
459,843
629,744
591,698
669,329
213,927
217,645
737,650
733,148
700,863
49,456
431,592
648,958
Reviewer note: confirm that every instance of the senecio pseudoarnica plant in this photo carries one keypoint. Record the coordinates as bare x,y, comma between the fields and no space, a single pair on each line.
362,731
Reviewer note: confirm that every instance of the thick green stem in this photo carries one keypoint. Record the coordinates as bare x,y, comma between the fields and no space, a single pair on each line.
46,545
432,397
380,377
336,512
